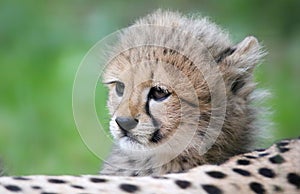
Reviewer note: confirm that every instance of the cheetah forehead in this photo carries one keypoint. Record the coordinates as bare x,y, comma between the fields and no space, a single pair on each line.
173,30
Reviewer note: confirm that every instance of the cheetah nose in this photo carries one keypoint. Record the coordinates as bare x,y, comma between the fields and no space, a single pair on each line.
126,123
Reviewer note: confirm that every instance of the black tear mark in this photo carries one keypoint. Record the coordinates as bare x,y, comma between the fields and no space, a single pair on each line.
156,136
147,109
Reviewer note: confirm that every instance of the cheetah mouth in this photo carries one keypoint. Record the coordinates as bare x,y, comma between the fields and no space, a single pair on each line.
130,138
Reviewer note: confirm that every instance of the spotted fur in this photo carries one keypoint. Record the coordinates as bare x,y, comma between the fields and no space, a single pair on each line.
272,170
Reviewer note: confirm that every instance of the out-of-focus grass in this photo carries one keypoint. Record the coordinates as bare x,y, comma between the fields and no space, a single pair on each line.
42,44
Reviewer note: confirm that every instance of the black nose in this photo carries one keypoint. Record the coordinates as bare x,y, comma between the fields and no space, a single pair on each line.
126,123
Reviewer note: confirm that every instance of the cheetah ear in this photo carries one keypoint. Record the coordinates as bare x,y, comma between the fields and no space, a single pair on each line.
244,56
239,61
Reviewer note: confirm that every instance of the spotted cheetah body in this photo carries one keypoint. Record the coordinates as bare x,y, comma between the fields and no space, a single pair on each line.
272,170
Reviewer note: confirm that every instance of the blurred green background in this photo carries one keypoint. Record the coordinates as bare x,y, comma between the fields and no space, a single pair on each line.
43,42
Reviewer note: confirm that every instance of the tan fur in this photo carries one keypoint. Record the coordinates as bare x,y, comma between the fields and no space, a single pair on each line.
205,73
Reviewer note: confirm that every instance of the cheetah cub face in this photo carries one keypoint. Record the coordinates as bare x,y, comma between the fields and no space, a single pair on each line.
148,97
178,88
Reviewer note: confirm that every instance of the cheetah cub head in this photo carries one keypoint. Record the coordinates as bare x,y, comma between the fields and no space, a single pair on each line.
177,83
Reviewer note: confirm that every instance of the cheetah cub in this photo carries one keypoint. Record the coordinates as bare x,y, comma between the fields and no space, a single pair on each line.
180,95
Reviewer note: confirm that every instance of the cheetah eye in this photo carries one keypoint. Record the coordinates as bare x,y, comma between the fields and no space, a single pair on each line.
158,94
120,88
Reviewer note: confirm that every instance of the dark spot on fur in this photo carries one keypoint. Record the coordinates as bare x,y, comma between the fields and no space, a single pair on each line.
216,174
282,144
21,178
165,51
172,51
266,172
36,187
56,181
242,172
98,180
257,188
278,159
77,186
250,157
263,154
211,189
282,150
48,193
294,179
243,162
13,188
129,188
183,184
281,147
159,177
260,150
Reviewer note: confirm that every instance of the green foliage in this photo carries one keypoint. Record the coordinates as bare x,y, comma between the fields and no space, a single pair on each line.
43,42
